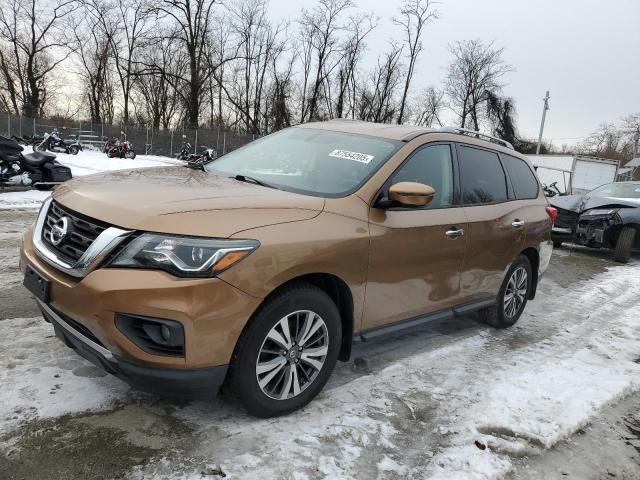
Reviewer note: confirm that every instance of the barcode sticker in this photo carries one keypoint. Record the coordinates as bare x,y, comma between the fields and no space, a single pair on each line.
355,156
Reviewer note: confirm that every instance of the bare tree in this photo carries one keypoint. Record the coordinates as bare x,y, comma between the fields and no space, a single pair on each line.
321,27
136,25
192,20
475,70
160,104
28,38
93,41
359,27
414,16
430,104
260,45
279,111
377,102
608,141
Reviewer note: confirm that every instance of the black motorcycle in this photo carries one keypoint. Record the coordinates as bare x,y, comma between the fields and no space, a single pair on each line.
54,143
185,153
38,169
198,161
552,190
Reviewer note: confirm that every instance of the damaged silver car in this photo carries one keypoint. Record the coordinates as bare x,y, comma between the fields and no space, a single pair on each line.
606,217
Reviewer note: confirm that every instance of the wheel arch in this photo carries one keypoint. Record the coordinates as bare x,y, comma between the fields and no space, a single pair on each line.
534,259
338,291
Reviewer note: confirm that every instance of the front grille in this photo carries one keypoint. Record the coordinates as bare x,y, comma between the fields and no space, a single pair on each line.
83,231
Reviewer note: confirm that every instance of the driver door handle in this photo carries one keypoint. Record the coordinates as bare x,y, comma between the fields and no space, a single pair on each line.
454,232
517,223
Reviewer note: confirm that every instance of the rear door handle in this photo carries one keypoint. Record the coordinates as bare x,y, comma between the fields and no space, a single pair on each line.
517,223
454,232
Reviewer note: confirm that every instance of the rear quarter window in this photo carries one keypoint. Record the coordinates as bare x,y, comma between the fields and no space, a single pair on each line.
524,182
482,176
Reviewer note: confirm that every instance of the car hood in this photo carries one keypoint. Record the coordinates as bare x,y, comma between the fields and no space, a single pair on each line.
580,203
183,201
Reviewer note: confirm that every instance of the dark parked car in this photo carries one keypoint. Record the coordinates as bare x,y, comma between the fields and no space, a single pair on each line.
606,217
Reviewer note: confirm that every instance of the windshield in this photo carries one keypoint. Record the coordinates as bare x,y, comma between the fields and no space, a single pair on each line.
304,160
617,190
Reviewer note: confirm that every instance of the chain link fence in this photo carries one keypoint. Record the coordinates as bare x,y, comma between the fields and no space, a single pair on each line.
146,139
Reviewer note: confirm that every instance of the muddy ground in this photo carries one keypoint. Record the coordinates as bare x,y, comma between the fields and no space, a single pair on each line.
142,436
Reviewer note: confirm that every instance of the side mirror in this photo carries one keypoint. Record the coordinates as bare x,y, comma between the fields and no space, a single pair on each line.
411,194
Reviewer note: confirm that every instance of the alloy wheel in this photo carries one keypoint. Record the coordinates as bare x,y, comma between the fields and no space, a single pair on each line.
292,355
516,292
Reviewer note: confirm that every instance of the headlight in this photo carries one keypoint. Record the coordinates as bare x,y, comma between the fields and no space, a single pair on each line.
183,256
601,211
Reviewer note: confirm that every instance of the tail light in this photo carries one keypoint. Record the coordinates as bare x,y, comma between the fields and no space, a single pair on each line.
553,214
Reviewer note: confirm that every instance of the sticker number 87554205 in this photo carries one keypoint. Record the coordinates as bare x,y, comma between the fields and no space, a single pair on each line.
355,156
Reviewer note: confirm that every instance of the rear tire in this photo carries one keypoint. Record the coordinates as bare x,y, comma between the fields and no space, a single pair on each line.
516,286
624,245
247,381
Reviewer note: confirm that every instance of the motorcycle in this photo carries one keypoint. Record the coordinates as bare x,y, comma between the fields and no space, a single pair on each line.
38,169
185,153
109,144
552,190
198,161
54,143
122,149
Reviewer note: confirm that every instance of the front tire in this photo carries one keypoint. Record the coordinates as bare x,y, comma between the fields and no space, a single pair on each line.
512,296
73,150
130,154
287,353
624,244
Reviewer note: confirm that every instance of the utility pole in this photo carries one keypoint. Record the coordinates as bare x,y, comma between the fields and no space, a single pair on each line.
544,116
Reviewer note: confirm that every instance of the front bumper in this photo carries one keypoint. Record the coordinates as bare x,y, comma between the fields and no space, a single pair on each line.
212,312
192,383
561,234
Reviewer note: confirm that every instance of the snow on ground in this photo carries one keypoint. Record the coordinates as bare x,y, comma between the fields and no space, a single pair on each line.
46,378
462,410
86,162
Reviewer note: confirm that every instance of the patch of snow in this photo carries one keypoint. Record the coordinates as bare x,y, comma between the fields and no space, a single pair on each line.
46,378
31,199
86,162
389,465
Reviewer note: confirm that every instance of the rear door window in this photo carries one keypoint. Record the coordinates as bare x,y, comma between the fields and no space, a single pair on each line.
525,185
433,166
482,177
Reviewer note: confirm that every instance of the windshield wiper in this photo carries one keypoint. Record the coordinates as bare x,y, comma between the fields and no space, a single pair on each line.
247,178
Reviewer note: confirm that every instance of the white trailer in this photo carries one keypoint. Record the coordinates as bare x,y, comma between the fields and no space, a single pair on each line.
575,174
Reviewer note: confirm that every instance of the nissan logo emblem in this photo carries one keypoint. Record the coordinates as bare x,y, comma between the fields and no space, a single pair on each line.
59,231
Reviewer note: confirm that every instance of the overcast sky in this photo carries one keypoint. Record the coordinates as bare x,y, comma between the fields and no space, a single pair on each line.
585,52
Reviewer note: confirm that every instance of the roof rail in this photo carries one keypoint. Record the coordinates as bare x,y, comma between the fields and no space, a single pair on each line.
473,133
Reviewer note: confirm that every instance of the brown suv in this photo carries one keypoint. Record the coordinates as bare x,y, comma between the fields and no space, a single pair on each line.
261,269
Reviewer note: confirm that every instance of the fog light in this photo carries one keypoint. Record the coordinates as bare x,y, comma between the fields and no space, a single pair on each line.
157,336
166,334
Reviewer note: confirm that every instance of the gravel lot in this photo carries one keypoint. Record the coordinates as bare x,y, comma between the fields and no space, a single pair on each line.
554,397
